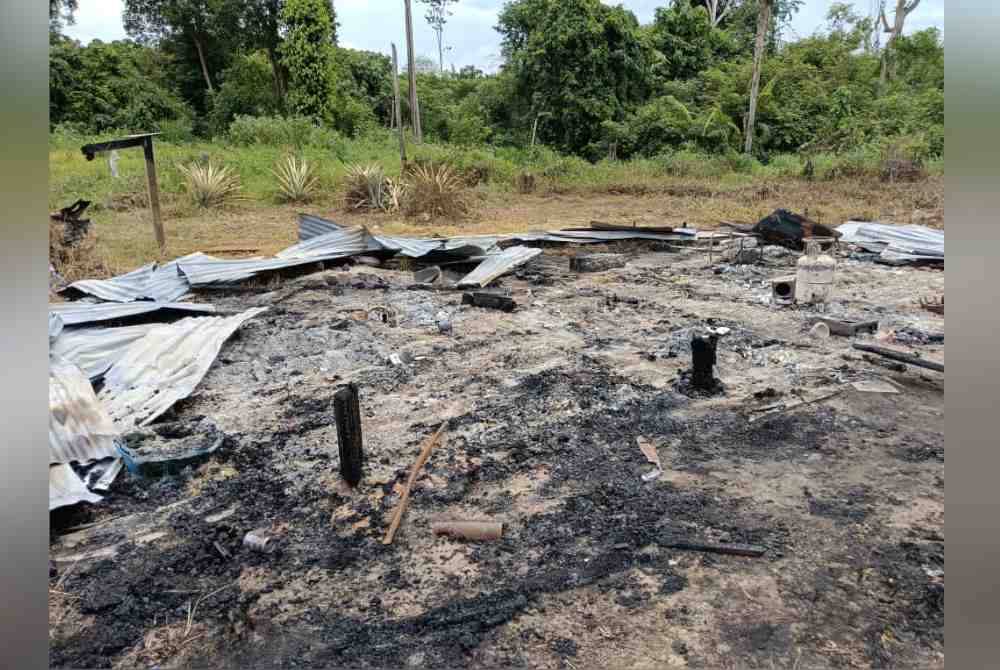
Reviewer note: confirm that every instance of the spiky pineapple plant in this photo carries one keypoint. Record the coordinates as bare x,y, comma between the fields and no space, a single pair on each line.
297,180
436,190
366,187
210,185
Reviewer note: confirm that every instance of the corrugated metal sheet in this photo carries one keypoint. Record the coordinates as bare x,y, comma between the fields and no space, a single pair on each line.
314,226
123,288
163,283
338,243
895,243
66,488
55,326
209,271
94,350
76,313
80,429
165,366
494,266
409,246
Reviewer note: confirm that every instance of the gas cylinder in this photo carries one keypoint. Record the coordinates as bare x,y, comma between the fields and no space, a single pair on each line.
814,276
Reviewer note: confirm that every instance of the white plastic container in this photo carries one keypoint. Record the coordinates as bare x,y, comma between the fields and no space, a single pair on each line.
814,276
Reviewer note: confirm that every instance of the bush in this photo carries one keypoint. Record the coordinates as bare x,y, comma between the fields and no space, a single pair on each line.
247,88
176,131
435,190
278,131
297,180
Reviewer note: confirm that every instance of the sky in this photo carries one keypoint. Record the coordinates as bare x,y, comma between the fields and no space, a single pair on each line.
373,24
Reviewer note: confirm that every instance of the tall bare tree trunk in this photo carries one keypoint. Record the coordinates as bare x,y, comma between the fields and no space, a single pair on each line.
201,57
440,36
903,9
763,21
418,135
396,111
278,76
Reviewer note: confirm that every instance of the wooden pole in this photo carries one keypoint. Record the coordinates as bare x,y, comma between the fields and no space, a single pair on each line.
418,135
397,112
347,411
404,500
154,192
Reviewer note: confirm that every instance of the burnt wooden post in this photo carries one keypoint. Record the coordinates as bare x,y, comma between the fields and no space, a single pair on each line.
347,409
144,140
703,348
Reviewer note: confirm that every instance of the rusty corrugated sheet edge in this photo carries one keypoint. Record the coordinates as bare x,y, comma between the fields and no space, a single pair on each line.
494,266
165,366
80,430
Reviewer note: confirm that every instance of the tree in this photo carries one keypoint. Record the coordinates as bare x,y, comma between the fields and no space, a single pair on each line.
261,22
437,15
198,21
688,41
903,9
719,9
763,23
60,12
307,54
580,60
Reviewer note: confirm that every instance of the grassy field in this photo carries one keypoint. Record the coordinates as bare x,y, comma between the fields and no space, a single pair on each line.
679,188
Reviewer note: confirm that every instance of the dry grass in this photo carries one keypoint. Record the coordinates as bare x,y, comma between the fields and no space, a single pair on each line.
166,645
366,188
123,241
210,185
81,260
436,190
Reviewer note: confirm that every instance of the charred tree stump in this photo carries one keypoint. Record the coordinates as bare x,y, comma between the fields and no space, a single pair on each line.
347,409
703,349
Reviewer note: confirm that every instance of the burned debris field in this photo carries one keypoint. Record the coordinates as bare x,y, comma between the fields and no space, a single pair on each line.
791,516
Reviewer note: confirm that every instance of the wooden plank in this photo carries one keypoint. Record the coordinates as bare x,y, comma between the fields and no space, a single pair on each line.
902,357
154,192
347,409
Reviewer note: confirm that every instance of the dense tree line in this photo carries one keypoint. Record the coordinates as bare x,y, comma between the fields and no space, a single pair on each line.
579,76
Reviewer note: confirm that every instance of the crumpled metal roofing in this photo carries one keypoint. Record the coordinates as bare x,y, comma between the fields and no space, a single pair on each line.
163,283
55,326
314,226
66,488
496,265
208,271
94,350
895,243
76,313
336,243
80,429
165,366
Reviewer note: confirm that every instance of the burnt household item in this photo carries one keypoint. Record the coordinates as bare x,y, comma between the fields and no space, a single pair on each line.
469,530
347,410
596,262
74,228
909,359
144,140
814,276
703,350
428,275
848,328
258,540
783,290
167,448
790,230
489,300
820,331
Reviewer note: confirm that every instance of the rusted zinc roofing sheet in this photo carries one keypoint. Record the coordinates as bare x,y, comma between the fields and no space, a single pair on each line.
499,264
80,312
66,488
94,350
80,429
165,366
336,243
